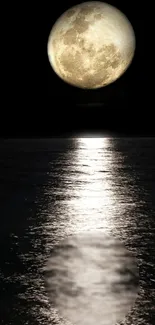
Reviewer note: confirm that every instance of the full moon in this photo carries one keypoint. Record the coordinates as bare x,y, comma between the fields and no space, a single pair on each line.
91,45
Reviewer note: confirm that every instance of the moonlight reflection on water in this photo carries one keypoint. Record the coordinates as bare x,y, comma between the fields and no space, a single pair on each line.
92,279
54,189
91,195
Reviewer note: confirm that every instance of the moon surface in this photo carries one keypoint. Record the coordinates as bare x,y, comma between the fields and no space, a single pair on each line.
92,279
91,45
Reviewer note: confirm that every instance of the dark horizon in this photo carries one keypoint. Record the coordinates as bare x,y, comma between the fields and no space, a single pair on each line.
119,123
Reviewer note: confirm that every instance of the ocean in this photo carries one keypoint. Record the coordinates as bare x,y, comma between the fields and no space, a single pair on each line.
95,196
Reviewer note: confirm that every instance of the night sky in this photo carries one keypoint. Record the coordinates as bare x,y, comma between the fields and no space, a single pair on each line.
40,104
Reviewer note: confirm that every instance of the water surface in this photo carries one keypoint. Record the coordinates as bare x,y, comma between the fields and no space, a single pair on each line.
52,189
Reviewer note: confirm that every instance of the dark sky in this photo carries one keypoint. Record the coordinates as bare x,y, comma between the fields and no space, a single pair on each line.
38,103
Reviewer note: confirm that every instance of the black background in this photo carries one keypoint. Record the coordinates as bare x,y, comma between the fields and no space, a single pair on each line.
38,103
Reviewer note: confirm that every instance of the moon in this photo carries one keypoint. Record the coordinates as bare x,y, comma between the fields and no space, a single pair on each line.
91,45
